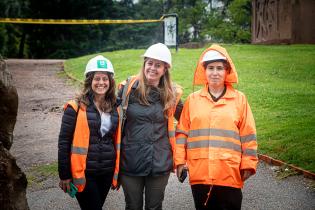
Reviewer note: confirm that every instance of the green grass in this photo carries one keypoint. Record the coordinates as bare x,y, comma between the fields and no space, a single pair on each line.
37,174
279,82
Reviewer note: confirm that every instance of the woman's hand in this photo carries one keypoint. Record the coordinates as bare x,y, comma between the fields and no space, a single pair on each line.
180,169
65,185
246,173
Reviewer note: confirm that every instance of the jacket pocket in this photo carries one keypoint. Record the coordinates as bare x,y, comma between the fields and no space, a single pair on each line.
230,167
135,158
198,166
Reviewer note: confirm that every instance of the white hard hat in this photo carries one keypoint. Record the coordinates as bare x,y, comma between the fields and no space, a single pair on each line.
160,52
212,55
99,63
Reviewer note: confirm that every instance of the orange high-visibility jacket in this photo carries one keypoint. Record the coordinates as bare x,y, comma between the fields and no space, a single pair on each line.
216,139
80,145
171,127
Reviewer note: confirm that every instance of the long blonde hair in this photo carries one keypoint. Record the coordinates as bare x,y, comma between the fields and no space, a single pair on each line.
165,87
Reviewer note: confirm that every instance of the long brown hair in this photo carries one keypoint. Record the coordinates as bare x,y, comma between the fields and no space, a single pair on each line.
165,87
108,102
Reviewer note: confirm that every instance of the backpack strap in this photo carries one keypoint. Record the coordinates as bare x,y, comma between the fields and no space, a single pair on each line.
124,104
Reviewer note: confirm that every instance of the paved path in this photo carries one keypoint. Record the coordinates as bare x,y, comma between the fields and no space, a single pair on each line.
261,192
35,142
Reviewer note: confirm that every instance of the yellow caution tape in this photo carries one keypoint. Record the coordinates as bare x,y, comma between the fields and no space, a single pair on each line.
64,21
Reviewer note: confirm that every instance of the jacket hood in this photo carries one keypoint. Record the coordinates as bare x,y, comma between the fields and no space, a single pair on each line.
200,77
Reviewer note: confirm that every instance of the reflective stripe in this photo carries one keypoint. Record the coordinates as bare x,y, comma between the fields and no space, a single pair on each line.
78,181
115,176
250,152
214,132
248,138
181,131
171,134
214,143
118,146
79,150
181,141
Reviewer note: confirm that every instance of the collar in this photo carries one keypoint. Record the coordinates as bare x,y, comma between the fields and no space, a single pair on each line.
230,92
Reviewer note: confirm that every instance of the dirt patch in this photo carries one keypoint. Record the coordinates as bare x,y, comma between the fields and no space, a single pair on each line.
42,93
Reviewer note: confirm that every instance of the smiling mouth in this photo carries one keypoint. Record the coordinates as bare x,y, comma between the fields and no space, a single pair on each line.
100,88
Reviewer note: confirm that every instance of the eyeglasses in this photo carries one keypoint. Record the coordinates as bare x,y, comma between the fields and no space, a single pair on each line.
218,68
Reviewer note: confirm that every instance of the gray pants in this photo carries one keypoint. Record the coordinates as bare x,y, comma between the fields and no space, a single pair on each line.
154,187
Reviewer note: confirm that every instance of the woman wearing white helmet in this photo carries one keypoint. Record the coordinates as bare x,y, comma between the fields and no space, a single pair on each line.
216,135
86,154
147,137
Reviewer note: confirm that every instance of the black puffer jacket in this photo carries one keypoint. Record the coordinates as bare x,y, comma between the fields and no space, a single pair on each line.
101,153
145,146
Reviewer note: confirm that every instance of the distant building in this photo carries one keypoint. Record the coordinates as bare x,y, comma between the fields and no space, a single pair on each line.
283,21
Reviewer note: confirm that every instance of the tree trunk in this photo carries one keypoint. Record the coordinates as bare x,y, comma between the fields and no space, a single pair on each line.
13,181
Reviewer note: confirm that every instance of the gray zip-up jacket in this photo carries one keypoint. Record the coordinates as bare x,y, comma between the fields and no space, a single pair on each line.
145,147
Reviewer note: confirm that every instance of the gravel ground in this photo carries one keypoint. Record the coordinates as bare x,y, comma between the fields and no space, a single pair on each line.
41,96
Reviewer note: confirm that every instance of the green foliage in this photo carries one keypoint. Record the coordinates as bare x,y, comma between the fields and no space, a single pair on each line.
10,35
3,40
231,24
277,80
135,36
191,17
12,40
240,12
199,21
240,15
64,41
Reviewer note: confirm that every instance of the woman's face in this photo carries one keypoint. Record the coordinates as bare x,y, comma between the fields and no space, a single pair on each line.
100,83
154,70
215,74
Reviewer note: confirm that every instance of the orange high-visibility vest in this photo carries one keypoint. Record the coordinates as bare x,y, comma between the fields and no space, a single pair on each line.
216,139
80,145
171,126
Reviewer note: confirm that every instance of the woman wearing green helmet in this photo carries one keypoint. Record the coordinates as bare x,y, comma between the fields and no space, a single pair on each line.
86,152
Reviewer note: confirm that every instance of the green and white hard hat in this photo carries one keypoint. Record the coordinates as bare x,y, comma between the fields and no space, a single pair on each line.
99,63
